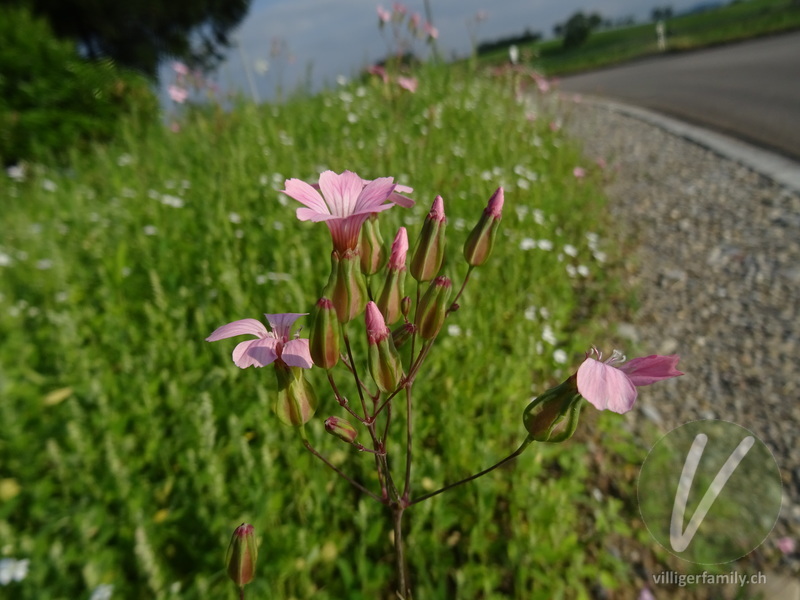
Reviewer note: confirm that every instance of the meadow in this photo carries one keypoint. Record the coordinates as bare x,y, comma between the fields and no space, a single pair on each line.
131,448
732,22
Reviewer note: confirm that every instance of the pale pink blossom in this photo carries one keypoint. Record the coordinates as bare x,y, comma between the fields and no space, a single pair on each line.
414,21
384,16
431,31
786,545
645,594
344,203
611,387
380,71
180,69
579,172
408,83
174,127
399,9
269,346
178,94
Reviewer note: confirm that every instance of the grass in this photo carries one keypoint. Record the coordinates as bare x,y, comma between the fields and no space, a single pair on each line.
131,449
733,22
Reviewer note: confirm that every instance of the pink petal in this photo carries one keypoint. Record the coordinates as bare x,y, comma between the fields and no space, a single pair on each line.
255,353
374,194
341,191
649,369
305,194
605,387
240,327
295,353
281,323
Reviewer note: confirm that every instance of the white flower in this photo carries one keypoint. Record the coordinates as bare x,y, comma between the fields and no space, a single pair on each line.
48,185
12,569
527,244
559,357
102,592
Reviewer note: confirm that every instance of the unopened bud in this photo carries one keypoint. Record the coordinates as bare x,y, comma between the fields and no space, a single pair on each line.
479,244
241,556
405,306
429,249
370,246
296,401
391,294
323,341
403,333
346,286
385,365
432,309
341,429
553,416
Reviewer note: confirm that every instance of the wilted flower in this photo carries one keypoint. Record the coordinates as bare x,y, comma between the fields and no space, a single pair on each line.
610,387
270,346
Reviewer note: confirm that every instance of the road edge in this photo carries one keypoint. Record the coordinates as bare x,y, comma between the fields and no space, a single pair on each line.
780,169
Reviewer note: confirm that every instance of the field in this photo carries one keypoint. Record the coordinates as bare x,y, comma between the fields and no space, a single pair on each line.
131,448
733,22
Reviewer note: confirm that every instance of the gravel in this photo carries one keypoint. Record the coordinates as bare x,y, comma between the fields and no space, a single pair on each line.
715,259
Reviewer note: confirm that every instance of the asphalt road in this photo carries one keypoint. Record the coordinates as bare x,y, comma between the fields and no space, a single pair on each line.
749,90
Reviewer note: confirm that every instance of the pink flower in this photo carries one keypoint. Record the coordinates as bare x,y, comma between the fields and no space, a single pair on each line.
579,172
380,71
269,346
607,386
408,83
397,259
429,29
345,203
384,16
180,69
178,94
399,8
786,545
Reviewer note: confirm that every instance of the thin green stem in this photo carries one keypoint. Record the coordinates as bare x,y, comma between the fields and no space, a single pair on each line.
341,399
355,373
403,588
409,436
341,473
461,291
508,458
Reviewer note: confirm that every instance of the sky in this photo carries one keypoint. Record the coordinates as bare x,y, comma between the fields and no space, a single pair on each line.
318,41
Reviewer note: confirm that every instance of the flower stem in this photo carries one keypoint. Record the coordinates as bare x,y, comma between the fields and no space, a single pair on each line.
508,458
341,473
403,588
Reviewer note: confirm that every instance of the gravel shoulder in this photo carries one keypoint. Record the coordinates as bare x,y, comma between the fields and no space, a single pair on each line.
715,262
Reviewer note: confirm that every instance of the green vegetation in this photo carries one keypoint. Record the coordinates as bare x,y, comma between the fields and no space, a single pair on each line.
52,100
131,448
736,21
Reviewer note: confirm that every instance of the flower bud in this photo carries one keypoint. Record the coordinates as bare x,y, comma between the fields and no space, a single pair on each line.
370,246
385,365
429,249
346,286
391,294
479,244
553,416
323,341
432,309
405,306
341,429
242,554
296,401
403,333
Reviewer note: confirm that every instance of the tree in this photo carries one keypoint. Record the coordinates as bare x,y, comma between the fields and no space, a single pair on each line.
577,28
141,33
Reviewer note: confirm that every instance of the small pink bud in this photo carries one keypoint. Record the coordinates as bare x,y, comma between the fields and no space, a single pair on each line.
242,554
397,260
429,249
323,342
384,362
480,241
341,429
390,296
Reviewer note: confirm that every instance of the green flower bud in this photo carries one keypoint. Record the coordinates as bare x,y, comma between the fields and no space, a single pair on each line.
429,249
346,287
479,244
432,309
241,556
370,246
296,401
390,297
323,342
403,333
341,429
384,362
553,416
